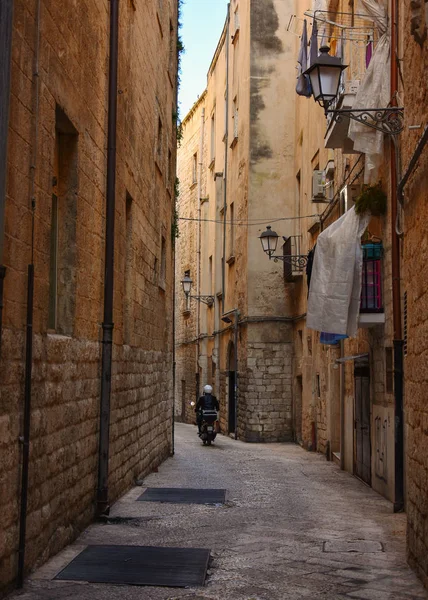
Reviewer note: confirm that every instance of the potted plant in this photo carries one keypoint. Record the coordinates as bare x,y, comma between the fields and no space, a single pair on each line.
372,199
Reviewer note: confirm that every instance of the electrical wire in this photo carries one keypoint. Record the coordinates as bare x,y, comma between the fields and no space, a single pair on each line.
249,223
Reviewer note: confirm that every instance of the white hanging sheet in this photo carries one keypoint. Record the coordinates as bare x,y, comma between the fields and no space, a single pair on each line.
374,90
335,286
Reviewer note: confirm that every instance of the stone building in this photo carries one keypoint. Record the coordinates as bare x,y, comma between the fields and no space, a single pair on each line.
54,208
414,185
235,167
344,392
285,159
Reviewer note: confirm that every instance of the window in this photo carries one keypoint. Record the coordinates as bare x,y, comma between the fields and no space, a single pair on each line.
210,275
172,53
212,152
127,301
297,204
162,275
389,370
169,167
62,260
231,230
195,168
235,118
236,19
159,139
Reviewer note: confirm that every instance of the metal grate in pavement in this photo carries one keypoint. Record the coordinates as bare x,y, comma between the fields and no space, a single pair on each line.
183,496
139,565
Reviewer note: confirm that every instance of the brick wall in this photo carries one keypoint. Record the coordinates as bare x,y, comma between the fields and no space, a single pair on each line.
66,368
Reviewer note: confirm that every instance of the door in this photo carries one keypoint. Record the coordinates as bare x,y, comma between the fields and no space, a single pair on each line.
232,406
362,450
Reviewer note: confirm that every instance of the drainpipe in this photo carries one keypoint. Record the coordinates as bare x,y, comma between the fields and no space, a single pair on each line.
226,146
342,405
236,371
107,326
6,27
396,292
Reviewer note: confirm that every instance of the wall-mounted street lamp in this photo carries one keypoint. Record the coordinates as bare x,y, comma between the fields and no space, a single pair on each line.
324,75
187,282
269,241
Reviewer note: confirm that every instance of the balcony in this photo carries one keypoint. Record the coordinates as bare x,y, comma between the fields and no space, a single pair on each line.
294,262
371,307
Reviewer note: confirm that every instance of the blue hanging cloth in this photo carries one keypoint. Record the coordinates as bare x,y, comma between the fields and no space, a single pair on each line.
331,338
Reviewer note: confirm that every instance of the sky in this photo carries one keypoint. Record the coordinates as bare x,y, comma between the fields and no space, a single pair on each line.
203,22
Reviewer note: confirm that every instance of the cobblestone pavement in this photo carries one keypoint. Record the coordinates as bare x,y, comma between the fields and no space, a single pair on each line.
294,526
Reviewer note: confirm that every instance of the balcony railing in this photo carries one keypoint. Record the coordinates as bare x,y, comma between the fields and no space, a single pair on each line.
294,263
371,288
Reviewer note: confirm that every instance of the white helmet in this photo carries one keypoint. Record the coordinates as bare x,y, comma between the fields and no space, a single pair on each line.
207,389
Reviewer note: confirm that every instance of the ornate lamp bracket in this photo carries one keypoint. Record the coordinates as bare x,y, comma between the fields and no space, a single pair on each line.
388,120
297,261
208,300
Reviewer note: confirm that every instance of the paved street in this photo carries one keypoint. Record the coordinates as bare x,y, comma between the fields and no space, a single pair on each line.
294,526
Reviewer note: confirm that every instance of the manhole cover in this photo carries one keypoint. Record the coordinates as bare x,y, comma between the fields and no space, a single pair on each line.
183,496
363,546
139,565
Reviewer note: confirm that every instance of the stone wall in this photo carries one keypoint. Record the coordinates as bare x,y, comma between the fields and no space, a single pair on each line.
265,395
415,276
71,134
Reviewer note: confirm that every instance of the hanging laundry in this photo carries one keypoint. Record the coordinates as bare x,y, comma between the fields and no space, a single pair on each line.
309,265
335,291
313,51
369,53
303,85
330,339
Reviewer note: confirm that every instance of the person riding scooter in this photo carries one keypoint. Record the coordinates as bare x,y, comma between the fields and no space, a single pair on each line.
205,402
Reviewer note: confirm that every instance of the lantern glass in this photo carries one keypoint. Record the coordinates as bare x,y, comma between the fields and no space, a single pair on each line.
186,282
324,75
330,80
269,241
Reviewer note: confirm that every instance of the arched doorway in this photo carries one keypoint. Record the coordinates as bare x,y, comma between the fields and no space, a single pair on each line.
231,427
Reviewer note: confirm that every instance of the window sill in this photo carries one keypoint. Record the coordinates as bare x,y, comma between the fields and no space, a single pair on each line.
192,185
234,142
186,312
162,286
212,163
235,36
231,260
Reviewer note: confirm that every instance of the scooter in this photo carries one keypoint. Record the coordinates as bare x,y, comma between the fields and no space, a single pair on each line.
208,430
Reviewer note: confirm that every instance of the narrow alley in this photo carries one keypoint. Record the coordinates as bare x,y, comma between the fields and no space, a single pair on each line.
293,526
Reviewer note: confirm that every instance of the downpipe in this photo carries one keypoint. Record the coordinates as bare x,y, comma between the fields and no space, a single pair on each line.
25,438
396,292
103,506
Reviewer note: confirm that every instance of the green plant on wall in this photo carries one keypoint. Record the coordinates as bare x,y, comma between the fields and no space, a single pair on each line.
372,199
180,51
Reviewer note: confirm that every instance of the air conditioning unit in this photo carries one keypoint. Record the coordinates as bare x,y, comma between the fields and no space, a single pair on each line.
318,187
